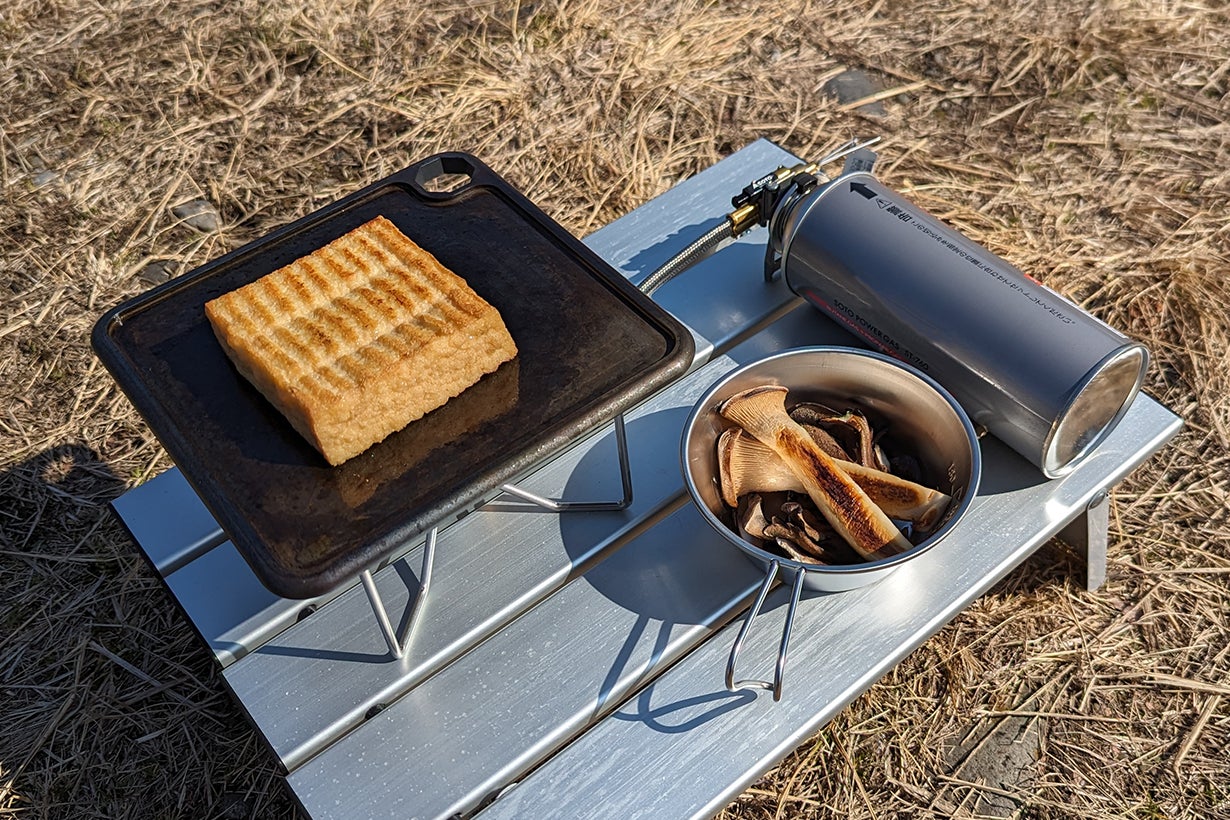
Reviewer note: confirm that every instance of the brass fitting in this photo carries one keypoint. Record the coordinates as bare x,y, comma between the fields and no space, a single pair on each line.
754,206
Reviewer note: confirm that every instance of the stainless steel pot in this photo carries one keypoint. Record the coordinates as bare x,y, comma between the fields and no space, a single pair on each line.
919,415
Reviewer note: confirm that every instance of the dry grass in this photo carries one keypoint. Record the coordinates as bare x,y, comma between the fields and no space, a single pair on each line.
1086,142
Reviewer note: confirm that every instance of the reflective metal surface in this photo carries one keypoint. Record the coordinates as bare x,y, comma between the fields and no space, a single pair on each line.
229,608
1046,377
491,567
922,418
582,649
169,521
684,747
500,710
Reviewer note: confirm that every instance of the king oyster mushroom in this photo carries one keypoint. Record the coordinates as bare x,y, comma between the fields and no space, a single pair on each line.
761,411
747,466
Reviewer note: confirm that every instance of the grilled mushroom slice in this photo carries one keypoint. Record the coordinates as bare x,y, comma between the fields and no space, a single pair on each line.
747,466
794,542
849,431
761,411
792,551
750,516
804,519
810,412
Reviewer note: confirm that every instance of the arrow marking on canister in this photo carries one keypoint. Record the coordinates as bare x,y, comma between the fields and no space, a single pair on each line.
860,188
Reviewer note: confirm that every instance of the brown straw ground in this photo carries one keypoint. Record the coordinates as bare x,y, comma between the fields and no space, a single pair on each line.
1086,142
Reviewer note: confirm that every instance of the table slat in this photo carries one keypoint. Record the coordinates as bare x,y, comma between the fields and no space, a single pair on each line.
496,712
309,685
689,747
168,521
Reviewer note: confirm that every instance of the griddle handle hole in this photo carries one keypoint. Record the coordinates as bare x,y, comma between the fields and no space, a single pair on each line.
444,175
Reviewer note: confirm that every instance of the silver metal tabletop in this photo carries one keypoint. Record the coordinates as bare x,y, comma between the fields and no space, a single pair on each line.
581,656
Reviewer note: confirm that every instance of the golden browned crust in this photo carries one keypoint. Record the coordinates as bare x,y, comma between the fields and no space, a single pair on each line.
359,338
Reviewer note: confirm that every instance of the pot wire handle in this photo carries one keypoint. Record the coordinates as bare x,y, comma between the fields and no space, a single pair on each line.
779,671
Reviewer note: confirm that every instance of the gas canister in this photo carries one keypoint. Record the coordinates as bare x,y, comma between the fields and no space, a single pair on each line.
1043,375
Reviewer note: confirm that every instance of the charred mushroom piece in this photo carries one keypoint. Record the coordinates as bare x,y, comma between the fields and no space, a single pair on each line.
810,412
793,552
852,427
761,411
838,434
811,416
794,542
806,541
748,466
846,436
881,459
750,516
805,520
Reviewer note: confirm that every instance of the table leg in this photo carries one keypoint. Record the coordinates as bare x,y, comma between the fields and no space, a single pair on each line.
1088,535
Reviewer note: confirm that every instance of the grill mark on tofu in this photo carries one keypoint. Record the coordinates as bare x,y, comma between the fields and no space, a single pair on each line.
441,304
259,303
328,381
386,313
310,267
347,318
408,279
456,299
303,358
351,366
430,309
279,301
325,328
398,344
349,262
350,317
374,355
302,295
267,347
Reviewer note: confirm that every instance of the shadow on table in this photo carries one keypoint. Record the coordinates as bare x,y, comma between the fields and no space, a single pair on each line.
652,567
686,714
647,260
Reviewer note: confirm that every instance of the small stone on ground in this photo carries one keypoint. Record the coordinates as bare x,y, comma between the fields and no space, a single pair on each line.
198,214
854,85
155,273
1004,758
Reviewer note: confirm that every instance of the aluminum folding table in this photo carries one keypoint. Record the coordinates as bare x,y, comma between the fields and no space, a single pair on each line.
571,664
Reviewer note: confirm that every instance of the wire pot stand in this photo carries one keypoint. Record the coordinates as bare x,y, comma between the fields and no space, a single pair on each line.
398,641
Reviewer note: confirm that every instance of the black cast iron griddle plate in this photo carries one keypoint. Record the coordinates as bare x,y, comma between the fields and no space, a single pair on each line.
590,345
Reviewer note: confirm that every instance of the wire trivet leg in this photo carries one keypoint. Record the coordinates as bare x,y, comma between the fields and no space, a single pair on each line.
398,643
625,474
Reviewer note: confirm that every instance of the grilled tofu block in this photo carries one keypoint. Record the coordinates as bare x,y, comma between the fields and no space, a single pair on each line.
359,338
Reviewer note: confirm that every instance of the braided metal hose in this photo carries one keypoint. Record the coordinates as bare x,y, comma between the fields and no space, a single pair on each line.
755,206
700,248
